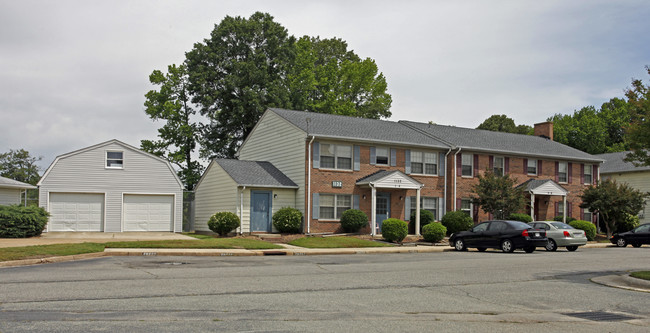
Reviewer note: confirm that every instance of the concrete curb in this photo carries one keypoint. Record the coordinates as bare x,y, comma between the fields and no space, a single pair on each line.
27,262
624,281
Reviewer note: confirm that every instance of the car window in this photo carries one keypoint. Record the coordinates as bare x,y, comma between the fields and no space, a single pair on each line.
519,225
498,226
561,225
480,227
643,228
543,226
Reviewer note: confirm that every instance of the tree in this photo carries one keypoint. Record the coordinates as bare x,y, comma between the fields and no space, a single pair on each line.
638,130
19,165
171,103
498,195
502,123
613,202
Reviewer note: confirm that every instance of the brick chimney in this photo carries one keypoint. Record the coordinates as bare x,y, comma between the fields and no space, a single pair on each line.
544,130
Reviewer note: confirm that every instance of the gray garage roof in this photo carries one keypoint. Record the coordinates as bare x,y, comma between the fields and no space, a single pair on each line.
255,174
360,129
10,183
506,143
614,163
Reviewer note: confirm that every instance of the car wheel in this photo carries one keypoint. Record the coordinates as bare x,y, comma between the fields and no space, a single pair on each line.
459,244
551,245
507,246
530,249
480,249
572,248
621,242
636,244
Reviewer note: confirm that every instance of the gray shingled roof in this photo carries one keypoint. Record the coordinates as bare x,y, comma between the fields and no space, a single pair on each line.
532,184
10,183
507,143
254,173
614,163
344,127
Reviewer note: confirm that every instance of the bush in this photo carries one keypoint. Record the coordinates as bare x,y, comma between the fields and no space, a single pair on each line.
394,230
426,217
223,223
588,227
352,220
630,222
520,217
20,222
287,220
434,232
457,221
569,219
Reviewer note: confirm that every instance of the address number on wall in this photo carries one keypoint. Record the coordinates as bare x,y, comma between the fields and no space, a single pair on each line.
337,183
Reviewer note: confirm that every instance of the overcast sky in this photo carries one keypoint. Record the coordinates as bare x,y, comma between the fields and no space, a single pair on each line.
74,73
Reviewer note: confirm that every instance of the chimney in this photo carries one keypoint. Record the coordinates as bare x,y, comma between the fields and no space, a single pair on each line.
545,130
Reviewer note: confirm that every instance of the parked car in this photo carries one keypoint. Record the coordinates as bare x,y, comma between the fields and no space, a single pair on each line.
637,236
504,235
561,235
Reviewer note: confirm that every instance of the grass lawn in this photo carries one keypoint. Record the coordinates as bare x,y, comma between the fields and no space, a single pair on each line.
197,236
335,242
641,275
43,251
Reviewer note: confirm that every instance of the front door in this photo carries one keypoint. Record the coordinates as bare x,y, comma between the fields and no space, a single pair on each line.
260,211
382,210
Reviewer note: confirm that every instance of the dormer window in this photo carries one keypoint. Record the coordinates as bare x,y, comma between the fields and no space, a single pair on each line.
114,159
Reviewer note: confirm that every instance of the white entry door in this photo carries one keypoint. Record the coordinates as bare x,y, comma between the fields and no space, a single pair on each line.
148,212
76,212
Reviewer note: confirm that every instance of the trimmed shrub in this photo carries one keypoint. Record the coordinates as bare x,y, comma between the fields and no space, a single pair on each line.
630,222
426,217
588,227
520,217
394,230
457,221
352,220
287,220
569,219
223,223
20,222
434,232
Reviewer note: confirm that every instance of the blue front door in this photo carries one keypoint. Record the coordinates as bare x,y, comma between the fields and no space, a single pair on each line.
260,211
382,209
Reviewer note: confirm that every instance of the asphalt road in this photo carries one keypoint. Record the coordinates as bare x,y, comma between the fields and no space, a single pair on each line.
450,291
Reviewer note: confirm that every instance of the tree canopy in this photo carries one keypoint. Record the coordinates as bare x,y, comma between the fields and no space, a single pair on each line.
502,123
638,130
19,165
498,195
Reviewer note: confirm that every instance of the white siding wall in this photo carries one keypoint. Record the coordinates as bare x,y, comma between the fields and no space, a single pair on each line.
9,196
638,180
85,172
216,193
286,198
277,141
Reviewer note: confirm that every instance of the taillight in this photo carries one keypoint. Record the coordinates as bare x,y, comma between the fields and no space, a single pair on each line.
525,233
567,234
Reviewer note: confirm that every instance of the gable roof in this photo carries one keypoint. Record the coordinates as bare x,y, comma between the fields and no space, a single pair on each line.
10,183
380,176
255,173
118,142
543,187
359,129
500,142
614,163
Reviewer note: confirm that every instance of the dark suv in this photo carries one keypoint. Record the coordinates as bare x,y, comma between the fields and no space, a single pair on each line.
504,235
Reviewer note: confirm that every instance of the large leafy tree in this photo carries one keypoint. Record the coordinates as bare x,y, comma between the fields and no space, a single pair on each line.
178,136
498,195
503,123
613,201
19,165
638,130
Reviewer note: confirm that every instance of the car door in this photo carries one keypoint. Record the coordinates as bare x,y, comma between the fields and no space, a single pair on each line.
641,235
475,237
494,234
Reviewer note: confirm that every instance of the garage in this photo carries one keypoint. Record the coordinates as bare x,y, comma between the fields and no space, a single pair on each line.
76,212
148,212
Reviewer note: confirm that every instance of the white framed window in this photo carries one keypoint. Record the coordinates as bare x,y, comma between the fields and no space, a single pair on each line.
114,159
531,167
382,156
467,165
560,208
588,175
562,173
426,203
587,215
466,206
498,165
424,163
332,206
336,157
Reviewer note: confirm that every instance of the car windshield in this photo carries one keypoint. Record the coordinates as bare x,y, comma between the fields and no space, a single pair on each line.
519,225
561,225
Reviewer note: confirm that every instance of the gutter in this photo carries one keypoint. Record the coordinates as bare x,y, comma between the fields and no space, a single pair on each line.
241,207
445,191
455,163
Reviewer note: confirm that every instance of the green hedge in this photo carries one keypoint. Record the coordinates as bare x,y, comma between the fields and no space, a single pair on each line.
588,227
569,219
457,221
20,222
630,222
287,220
223,223
352,220
520,217
434,232
394,230
426,217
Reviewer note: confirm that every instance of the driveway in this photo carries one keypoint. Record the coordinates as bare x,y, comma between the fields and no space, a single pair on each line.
93,237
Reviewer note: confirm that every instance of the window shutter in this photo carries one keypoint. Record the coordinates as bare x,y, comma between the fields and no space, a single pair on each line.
459,163
315,206
475,212
582,177
506,167
407,208
557,209
582,212
393,157
355,201
316,155
441,208
459,202
557,173
491,162
475,165
539,167
441,164
594,174
407,161
373,156
568,209
357,158
525,166
569,172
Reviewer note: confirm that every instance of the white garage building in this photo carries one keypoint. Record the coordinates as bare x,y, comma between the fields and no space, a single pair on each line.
111,187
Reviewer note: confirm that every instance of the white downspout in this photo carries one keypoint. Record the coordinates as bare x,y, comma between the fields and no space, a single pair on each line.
445,177
455,166
308,217
241,209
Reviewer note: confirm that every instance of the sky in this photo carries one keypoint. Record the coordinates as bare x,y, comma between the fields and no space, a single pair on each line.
74,73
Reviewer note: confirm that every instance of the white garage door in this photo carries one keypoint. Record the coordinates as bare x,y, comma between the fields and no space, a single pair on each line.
76,212
148,212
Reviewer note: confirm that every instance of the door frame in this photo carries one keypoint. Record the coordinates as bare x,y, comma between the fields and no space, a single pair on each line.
386,195
270,209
